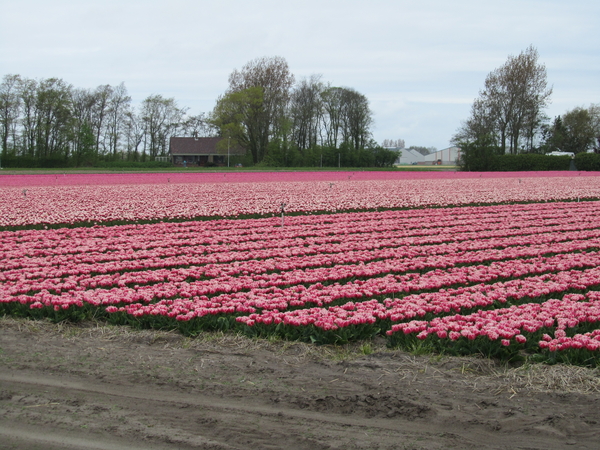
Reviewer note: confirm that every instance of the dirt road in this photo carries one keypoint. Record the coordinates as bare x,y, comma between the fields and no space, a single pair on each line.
96,387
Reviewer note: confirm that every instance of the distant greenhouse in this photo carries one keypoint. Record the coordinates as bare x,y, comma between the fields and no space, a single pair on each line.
446,157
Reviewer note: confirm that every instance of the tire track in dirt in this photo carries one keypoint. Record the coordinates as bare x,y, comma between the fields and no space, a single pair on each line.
96,388
195,420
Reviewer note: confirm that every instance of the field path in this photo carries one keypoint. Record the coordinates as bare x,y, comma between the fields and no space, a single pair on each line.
121,389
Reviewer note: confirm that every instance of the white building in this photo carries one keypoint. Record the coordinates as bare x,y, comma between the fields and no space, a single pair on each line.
446,157
408,156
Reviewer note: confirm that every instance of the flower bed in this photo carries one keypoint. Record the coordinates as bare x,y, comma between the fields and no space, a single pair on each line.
497,279
75,199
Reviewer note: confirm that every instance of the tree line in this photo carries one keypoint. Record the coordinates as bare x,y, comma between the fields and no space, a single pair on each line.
286,123
508,116
50,123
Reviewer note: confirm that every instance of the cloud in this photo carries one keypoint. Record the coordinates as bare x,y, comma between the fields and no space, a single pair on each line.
421,64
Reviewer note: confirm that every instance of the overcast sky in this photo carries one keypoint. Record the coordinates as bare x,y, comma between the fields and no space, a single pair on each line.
420,63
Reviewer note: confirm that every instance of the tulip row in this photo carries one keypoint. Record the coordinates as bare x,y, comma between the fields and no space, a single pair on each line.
188,244
490,330
92,200
330,278
257,278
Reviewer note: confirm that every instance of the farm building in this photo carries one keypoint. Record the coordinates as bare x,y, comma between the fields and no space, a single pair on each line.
446,157
408,156
192,151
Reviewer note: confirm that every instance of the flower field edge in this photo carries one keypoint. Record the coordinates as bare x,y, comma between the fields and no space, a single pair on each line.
327,275
507,351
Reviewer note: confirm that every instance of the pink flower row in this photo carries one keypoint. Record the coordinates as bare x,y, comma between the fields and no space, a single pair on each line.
589,341
511,323
260,177
413,306
55,203
422,224
252,280
66,252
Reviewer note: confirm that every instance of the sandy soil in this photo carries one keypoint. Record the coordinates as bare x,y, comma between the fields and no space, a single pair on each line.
95,387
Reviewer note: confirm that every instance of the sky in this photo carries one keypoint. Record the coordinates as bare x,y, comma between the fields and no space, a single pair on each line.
420,63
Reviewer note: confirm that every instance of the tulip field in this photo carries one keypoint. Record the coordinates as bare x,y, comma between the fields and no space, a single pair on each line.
506,265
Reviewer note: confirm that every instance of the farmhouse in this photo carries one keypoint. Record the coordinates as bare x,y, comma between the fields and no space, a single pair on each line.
193,151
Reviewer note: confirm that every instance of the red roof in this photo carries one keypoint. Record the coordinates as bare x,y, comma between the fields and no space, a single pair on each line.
200,146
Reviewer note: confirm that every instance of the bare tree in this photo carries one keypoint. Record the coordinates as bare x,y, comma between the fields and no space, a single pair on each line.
391,143
347,117
332,99
161,118
118,104
510,106
306,112
197,126
134,134
10,106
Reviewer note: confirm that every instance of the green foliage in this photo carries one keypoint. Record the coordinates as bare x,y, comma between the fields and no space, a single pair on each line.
587,161
28,161
478,156
383,157
529,162
85,154
281,154
483,156
124,164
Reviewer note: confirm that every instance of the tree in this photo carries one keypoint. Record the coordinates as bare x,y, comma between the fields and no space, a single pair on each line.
579,130
236,116
383,157
263,89
398,143
82,104
510,107
28,122
554,136
118,104
197,126
102,96
53,130
594,111
356,118
478,155
575,131
306,112
10,105
134,134
347,118
161,118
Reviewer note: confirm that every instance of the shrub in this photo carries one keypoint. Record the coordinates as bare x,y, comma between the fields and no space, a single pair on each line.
587,161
